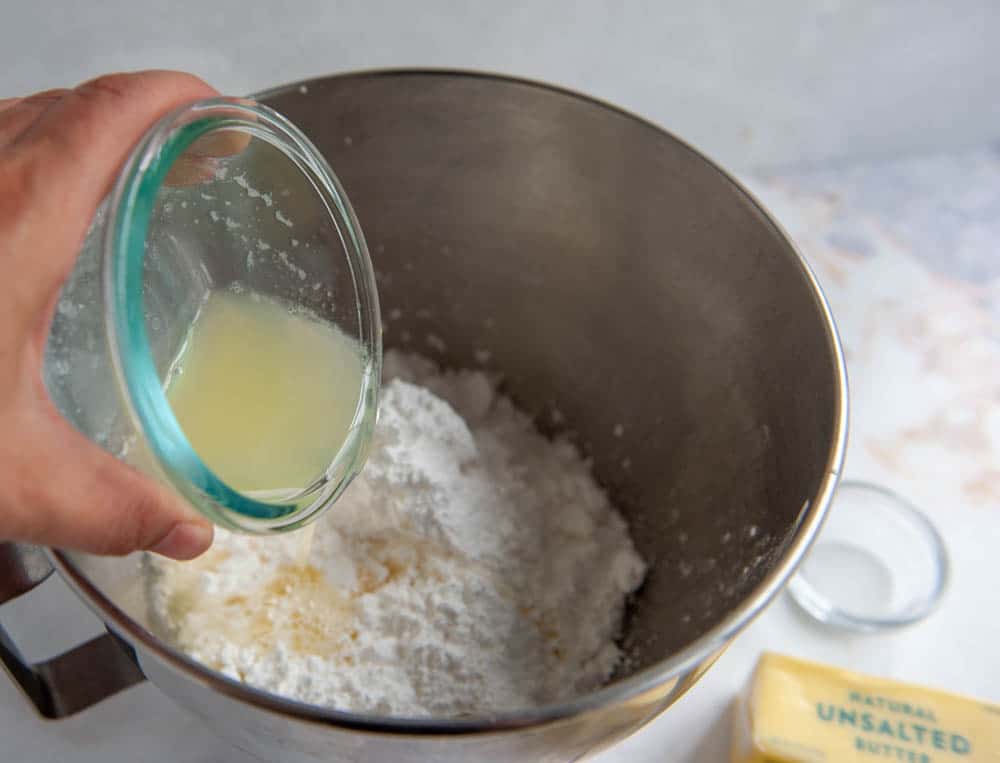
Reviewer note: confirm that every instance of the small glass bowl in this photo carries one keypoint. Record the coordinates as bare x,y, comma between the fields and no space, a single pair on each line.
220,195
878,563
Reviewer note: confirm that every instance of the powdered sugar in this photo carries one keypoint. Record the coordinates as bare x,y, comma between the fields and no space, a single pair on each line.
473,566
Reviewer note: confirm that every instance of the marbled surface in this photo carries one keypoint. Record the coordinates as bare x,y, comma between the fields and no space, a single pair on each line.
908,252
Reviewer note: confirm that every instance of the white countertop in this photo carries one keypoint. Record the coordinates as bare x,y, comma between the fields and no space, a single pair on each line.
909,254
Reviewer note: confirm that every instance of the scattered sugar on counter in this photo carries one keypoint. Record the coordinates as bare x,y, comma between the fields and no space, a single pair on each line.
473,566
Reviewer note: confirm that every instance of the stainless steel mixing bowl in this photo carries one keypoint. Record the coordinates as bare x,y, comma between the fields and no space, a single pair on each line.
632,294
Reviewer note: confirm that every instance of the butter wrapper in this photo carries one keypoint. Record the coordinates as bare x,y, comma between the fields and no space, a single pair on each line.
795,711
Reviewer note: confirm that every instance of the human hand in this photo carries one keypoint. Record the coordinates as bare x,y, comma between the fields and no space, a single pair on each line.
59,153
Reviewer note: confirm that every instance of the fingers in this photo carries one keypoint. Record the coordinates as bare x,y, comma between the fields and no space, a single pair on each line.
74,495
198,163
64,161
18,114
59,152
191,170
219,143
102,119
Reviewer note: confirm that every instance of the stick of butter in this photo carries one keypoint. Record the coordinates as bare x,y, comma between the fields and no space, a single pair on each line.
800,712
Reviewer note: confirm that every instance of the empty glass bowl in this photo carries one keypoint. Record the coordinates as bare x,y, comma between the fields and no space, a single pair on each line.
877,564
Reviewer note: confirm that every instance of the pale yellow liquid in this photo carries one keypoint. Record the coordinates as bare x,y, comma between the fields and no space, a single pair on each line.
265,396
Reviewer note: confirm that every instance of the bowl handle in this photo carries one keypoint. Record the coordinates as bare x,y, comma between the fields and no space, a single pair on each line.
76,679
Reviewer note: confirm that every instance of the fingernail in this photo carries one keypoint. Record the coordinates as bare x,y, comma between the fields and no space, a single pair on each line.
185,541
191,170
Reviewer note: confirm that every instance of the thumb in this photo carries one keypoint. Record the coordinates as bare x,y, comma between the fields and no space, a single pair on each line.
75,495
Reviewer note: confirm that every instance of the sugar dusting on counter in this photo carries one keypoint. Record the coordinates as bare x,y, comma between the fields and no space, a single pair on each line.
473,566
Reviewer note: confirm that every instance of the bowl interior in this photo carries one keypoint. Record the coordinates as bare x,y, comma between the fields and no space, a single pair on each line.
629,292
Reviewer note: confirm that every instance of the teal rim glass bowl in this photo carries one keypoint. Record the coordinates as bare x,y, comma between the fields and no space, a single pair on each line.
221,194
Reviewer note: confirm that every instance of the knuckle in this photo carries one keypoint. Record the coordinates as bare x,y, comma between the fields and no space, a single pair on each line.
16,185
45,98
114,543
117,537
115,87
120,87
188,81
40,252
135,520
22,177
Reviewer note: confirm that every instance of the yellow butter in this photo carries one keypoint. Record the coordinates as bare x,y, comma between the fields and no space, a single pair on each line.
801,712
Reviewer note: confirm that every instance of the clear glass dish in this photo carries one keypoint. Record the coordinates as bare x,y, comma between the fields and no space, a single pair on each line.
220,194
878,563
